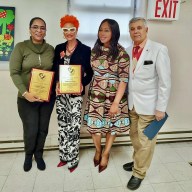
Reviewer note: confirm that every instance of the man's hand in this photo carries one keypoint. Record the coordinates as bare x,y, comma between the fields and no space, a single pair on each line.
159,115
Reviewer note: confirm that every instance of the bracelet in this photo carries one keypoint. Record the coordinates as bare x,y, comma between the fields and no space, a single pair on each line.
24,93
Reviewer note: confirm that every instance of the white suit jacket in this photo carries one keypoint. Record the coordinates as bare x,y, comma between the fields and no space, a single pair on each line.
150,84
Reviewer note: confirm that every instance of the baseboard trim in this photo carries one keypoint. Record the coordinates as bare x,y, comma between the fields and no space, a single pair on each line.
17,145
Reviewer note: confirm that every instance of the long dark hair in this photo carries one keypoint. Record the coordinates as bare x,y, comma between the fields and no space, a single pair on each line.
113,49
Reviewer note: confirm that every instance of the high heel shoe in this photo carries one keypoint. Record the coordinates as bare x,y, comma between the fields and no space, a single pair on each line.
103,167
61,163
73,168
97,161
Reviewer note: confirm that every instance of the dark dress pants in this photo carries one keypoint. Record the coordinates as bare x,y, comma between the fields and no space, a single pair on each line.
35,117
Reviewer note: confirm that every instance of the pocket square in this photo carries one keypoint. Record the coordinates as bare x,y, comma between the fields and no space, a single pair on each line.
148,62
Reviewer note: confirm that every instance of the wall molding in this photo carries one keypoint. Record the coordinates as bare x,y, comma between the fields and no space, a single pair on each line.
17,145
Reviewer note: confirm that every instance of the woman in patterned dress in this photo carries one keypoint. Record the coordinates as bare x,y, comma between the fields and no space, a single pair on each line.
107,109
69,106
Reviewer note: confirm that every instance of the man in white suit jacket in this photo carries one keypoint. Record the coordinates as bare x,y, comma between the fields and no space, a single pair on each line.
149,90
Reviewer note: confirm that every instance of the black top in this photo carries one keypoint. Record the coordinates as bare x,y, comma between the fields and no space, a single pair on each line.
80,56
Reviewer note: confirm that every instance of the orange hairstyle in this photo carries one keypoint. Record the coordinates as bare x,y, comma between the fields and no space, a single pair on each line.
69,19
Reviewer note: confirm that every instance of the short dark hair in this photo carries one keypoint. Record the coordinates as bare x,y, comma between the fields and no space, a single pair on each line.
36,18
115,31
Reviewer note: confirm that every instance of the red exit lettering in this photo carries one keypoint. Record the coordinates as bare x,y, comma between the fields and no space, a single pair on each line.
166,8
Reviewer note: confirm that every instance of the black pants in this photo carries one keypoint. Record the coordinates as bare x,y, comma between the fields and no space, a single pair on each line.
35,117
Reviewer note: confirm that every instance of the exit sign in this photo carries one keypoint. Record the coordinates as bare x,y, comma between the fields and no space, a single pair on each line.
163,9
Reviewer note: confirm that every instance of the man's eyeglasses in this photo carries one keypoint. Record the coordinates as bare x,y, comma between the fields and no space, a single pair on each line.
70,29
41,28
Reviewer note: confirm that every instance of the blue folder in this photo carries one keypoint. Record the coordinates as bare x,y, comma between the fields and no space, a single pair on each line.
153,128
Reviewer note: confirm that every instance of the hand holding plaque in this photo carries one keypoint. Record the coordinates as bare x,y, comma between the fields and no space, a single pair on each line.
70,79
41,83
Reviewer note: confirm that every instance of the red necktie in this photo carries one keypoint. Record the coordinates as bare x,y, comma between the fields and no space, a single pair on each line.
135,51
135,55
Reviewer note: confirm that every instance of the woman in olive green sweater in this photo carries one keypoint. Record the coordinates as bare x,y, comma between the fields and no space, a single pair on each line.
34,112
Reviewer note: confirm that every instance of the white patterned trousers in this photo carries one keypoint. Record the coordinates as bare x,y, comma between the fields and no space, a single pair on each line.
69,110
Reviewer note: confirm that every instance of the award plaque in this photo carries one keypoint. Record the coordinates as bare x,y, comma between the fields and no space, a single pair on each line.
70,79
41,83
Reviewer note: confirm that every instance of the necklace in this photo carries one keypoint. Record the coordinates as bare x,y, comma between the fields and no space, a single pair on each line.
71,51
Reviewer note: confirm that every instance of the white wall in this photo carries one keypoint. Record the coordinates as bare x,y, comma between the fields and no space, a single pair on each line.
51,11
176,35
25,10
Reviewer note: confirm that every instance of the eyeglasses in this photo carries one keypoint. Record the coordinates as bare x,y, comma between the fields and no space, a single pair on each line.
41,28
70,29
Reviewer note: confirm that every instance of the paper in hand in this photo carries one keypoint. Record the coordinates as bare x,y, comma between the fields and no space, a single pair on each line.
153,128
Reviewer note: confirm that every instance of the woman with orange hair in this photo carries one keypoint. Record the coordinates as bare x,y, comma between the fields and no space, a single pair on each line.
69,106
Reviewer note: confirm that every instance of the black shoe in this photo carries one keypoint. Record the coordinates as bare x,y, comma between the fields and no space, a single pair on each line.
27,163
134,183
40,164
128,166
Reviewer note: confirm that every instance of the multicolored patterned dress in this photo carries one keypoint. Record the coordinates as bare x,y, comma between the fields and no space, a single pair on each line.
102,92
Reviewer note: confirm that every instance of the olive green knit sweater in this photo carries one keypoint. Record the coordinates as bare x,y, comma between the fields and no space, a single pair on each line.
26,56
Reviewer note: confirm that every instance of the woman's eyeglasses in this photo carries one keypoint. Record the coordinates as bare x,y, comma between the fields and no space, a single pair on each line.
36,27
70,29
